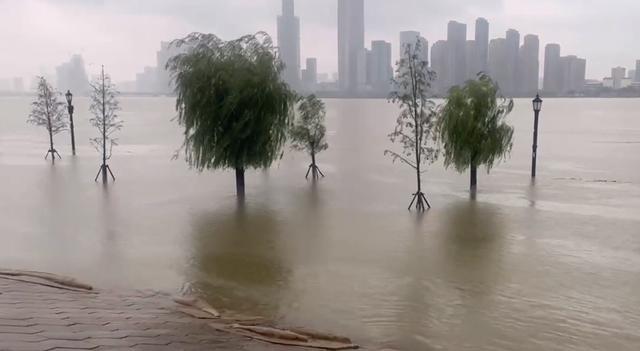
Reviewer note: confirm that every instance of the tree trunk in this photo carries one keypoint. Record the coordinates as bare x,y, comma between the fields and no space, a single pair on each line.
474,178
314,167
240,182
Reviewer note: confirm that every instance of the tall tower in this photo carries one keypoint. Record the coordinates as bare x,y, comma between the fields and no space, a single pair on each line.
289,43
513,47
482,45
637,71
552,71
529,66
351,51
457,46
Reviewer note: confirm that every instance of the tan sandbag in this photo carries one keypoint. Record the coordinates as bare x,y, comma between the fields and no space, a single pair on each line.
312,343
321,336
272,332
198,303
54,278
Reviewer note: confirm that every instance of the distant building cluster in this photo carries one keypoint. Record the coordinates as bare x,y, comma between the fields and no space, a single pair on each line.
72,76
620,79
512,62
157,79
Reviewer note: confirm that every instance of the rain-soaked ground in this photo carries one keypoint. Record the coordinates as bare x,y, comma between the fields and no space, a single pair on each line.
553,265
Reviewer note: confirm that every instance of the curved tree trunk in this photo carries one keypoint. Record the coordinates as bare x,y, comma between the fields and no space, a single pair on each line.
240,182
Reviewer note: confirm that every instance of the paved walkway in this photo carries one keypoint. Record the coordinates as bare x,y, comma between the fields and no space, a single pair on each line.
38,318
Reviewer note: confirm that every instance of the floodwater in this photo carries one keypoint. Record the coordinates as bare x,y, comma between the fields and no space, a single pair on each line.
553,265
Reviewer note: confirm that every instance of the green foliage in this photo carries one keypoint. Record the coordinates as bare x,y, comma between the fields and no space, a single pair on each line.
104,107
415,128
308,131
47,110
231,101
472,126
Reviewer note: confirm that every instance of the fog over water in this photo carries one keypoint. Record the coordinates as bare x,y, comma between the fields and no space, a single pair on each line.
548,266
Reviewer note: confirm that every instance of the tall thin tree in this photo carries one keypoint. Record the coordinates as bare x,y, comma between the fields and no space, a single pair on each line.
308,131
104,107
47,111
415,126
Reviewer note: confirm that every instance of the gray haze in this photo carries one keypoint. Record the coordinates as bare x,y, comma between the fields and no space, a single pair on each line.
38,35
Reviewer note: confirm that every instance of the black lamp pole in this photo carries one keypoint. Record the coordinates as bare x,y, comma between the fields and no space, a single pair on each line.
70,108
537,106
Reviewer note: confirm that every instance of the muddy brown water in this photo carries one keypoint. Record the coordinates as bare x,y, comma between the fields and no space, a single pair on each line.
553,265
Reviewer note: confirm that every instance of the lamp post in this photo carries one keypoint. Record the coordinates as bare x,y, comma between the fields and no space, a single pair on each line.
537,106
70,108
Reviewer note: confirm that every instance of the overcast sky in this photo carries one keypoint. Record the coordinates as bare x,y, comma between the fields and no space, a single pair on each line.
124,35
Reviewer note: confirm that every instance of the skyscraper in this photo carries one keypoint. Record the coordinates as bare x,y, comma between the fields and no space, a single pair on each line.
457,46
482,45
379,66
439,55
637,71
513,47
552,79
498,62
73,76
572,74
529,66
351,51
289,43
310,75
618,74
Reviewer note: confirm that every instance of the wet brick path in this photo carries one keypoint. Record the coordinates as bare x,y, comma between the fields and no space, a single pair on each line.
37,318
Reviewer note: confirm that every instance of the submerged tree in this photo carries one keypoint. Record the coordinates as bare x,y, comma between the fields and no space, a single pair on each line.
232,102
48,111
104,107
473,128
308,131
415,128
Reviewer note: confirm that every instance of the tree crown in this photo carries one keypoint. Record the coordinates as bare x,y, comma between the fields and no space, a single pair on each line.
47,110
308,131
231,100
472,125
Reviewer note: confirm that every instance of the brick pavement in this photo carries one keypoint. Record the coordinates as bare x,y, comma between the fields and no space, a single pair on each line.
38,318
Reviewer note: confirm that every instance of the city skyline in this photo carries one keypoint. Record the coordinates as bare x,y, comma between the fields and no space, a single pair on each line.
91,28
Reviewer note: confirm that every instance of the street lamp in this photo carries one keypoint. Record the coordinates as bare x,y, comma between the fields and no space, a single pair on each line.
537,106
70,108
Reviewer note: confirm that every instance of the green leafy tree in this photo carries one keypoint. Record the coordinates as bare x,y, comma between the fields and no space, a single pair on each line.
47,111
473,129
308,131
415,127
231,101
104,108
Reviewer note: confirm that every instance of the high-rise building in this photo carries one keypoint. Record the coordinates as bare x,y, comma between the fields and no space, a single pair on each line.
572,74
529,66
457,46
410,38
163,79
482,45
618,74
289,43
637,71
380,70
498,62
351,51
310,75
631,74
73,76
472,62
439,65
513,48
552,78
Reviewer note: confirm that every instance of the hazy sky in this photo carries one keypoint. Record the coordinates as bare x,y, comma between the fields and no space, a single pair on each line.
124,35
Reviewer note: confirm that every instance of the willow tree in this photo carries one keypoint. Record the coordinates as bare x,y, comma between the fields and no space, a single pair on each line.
231,101
47,111
308,131
473,129
415,126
